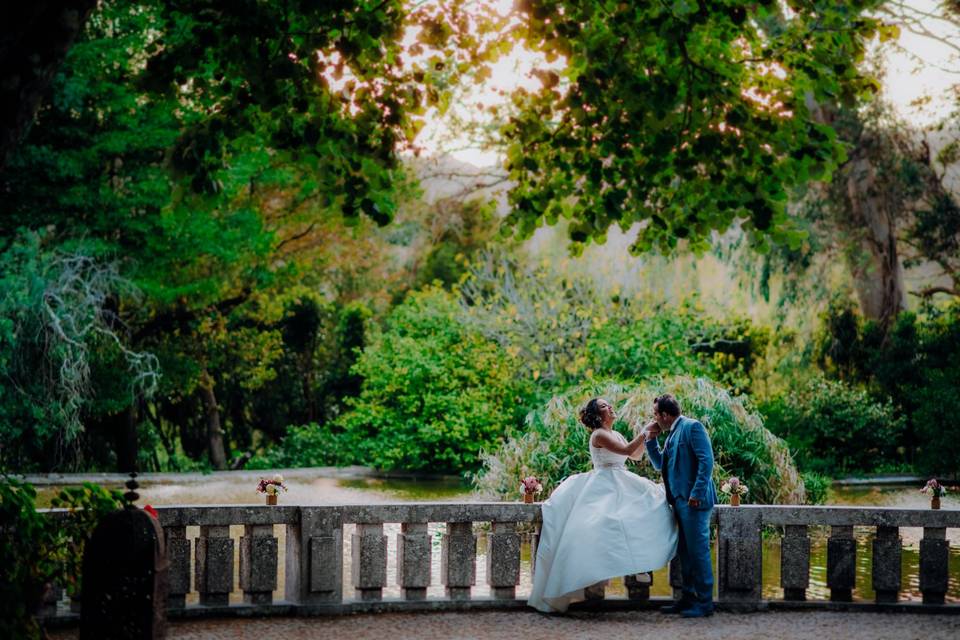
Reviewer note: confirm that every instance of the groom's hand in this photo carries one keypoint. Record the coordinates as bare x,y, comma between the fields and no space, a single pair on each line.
693,502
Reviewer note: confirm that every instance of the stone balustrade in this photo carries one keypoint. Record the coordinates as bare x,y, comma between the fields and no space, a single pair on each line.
298,553
739,562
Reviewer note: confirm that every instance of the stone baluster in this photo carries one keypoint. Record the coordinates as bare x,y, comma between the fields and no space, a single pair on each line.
886,564
503,560
795,562
214,565
841,563
739,555
596,591
369,565
676,578
178,572
934,559
638,586
534,543
314,557
259,550
413,560
458,560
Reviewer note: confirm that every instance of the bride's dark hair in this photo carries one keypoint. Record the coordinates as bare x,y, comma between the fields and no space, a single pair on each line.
590,415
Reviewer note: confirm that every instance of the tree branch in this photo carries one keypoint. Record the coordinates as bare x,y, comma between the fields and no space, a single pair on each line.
931,291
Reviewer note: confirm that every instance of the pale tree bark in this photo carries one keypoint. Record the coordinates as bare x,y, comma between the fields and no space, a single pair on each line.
871,222
218,457
868,220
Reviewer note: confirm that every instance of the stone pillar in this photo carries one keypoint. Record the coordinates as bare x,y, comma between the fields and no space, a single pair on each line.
214,565
841,563
258,564
458,560
314,557
503,560
534,544
413,560
795,562
638,586
369,566
178,555
739,555
886,564
125,577
934,559
676,578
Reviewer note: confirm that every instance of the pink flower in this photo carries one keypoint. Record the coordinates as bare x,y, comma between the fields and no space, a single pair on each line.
934,488
530,484
271,486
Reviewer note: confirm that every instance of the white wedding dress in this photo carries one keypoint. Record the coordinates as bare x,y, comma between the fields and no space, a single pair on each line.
598,525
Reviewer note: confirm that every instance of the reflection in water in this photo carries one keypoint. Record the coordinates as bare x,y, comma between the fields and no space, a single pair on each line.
319,491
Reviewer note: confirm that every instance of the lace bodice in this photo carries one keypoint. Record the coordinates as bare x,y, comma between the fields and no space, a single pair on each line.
606,459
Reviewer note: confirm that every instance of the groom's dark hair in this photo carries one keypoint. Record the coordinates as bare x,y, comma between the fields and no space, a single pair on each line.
667,404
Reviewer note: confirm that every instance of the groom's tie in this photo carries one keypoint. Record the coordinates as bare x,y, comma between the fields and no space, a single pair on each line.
667,453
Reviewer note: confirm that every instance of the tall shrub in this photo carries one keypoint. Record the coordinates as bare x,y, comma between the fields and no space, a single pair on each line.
434,392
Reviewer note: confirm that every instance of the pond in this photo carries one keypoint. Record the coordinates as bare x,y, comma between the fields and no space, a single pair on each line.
307,488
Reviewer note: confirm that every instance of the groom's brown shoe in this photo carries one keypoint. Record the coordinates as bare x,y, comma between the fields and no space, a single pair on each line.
677,607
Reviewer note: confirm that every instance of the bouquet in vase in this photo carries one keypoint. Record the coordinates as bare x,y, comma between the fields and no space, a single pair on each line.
271,487
734,488
529,487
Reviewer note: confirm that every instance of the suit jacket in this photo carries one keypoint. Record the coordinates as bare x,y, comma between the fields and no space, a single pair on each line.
689,469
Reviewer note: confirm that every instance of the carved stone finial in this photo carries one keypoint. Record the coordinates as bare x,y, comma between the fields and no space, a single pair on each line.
131,495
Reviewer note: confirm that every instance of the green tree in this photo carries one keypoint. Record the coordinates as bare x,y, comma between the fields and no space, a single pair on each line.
685,117
434,393
189,143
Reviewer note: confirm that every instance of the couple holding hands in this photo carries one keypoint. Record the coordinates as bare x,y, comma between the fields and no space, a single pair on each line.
611,522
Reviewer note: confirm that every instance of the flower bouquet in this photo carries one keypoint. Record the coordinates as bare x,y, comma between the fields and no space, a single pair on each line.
935,490
734,488
529,487
271,487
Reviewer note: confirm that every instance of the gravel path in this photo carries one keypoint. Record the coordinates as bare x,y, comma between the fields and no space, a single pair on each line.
522,625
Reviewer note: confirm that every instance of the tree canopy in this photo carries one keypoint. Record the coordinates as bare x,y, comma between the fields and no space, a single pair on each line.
686,117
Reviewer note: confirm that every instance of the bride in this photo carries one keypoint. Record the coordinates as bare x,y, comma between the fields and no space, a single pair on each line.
605,523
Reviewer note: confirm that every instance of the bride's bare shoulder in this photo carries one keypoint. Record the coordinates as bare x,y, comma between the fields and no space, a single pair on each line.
601,436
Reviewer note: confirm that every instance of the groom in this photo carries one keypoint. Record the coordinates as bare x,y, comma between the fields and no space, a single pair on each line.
686,463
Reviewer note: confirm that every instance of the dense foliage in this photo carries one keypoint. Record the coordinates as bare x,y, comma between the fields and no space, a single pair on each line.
915,365
213,251
434,393
834,428
37,550
683,116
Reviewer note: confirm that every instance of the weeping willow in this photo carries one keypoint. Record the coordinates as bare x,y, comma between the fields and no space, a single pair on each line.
553,444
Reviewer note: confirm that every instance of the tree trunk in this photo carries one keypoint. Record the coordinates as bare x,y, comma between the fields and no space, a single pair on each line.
34,40
874,259
214,433
125,430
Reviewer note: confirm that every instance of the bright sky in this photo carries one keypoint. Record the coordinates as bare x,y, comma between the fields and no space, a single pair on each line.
925,68
916,73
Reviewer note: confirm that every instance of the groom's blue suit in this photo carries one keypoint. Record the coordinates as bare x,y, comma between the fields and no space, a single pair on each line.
686,462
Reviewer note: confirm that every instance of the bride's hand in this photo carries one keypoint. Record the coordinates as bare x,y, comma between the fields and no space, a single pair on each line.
650,431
